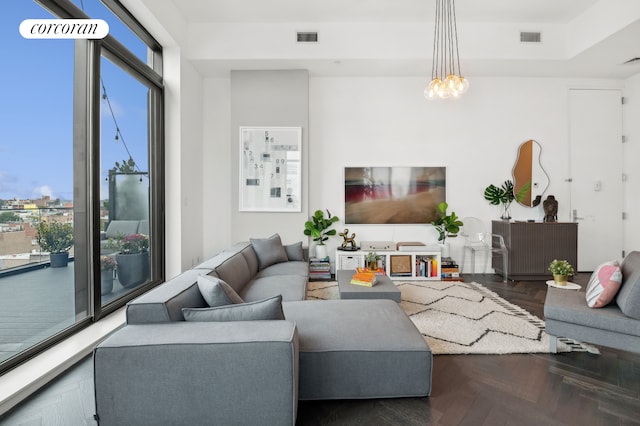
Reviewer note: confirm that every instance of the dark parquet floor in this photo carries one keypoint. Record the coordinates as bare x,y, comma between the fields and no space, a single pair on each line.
575,388
534,389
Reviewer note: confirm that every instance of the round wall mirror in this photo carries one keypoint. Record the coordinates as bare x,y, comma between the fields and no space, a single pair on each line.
530,180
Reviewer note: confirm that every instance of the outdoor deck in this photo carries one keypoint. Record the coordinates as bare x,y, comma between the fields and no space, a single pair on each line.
36,304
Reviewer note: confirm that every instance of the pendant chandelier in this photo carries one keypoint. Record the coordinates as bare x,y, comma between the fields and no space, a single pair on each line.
446,78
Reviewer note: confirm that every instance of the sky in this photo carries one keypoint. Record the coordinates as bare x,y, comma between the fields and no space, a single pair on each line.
36,106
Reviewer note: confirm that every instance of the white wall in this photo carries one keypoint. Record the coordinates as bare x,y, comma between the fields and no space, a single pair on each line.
631,150
216,175
183,163
365,121
191,166
387,121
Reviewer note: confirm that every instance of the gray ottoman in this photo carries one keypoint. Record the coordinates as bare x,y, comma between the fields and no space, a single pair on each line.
351,349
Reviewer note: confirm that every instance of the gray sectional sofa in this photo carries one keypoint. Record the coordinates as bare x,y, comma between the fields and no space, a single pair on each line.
161,369
616,325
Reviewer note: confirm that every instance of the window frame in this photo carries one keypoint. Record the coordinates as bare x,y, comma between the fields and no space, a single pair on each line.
86,165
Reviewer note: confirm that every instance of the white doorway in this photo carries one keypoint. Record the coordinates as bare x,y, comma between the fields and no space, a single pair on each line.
595,166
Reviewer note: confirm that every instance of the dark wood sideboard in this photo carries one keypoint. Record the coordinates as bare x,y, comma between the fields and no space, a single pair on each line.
533,245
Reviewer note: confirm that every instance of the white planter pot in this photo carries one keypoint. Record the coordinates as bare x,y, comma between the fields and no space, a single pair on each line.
321,251
444,249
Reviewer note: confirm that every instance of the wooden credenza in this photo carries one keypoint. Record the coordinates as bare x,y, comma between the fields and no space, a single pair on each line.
533,245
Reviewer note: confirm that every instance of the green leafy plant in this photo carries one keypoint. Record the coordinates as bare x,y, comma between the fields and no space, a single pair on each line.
501,195
55,237
505,195
372,256
447,225
127,166
318,227
561,267
371,259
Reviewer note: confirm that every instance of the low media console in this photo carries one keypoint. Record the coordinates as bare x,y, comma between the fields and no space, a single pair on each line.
398,265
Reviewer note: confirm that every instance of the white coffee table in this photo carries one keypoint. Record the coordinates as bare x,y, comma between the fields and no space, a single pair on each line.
569,286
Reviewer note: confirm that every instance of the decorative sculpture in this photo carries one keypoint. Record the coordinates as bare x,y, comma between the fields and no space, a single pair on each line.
550,206
348,240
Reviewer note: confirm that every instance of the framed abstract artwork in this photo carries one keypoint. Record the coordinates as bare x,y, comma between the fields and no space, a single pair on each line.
270,169
393,195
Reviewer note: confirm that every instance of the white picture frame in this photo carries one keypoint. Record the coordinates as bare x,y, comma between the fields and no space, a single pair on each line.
270,169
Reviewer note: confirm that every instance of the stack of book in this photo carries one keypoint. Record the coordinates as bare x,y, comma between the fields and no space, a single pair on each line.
378,271
319,269
365,278
449,270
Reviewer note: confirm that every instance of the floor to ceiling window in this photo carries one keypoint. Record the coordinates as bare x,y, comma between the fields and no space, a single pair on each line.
80,173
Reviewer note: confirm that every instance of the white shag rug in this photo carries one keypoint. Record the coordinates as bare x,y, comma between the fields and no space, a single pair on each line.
466,318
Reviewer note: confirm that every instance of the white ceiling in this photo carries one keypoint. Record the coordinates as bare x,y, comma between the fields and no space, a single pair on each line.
580,38
539,11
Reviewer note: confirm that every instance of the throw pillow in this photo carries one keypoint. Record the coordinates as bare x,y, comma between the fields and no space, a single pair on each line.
269,251
603,284
294,251
267,309
216,292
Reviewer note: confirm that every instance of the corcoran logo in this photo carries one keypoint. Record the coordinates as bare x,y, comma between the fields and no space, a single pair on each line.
64,28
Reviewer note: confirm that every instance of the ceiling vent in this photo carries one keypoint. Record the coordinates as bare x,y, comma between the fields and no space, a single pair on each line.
530,37
632,61
307,37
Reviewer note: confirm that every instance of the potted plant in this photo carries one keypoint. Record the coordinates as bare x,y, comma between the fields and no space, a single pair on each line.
57,239
447,225
318,229
133,260
371,260
561,270
504,195
107,266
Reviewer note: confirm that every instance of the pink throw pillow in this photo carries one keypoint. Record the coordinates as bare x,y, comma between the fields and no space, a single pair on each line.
604,284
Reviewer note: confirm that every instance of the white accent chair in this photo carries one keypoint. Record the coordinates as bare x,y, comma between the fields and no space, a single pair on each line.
478,240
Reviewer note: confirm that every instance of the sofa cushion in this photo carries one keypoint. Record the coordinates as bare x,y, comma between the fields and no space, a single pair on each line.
263,310
252,260
216,292
292,267
570,307
291,287
359,349
294,251
234,271
120,228
165,302
269,251
603,284
629,295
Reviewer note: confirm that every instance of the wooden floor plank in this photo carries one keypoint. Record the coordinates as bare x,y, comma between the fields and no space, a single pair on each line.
522,389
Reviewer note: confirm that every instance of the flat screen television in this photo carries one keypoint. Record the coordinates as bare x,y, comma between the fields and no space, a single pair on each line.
393,195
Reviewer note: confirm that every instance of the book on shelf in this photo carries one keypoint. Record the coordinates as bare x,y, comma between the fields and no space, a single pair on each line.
366,279
378,271
319,259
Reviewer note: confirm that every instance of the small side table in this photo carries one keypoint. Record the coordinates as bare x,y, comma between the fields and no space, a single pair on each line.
569,286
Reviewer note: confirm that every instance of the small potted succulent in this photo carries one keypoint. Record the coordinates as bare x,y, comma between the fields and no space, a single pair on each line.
561,270
57,239
371,260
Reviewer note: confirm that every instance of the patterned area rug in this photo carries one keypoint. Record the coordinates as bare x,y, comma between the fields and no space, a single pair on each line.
465,318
